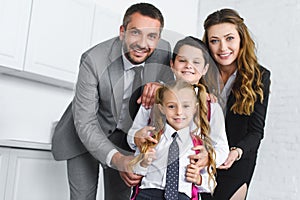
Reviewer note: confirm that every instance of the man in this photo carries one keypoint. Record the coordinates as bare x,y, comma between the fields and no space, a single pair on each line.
101,105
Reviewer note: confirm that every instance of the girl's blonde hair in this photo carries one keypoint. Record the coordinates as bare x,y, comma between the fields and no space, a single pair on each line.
200,119
247,85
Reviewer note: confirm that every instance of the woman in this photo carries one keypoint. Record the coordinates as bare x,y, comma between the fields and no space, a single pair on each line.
244,93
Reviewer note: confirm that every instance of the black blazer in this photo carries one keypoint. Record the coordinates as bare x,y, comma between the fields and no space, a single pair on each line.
247,132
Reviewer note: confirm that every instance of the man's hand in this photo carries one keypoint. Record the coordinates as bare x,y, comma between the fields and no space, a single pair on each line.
147,98
142,135
130,178
121,163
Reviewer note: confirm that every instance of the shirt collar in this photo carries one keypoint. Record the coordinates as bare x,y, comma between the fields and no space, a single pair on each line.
183,134
127,64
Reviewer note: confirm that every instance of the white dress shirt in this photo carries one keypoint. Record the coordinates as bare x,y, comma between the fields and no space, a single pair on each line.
128,82
217,134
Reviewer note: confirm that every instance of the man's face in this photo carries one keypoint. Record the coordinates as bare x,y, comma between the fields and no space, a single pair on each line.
140,37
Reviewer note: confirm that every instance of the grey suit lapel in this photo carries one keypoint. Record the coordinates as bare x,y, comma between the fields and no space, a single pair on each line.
116,75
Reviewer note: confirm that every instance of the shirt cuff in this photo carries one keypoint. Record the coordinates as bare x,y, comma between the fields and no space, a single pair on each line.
109,157
130,140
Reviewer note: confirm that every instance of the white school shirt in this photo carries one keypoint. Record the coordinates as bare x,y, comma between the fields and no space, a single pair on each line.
155,174
217,134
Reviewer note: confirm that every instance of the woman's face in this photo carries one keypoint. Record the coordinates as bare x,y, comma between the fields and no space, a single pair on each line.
224,43
189,64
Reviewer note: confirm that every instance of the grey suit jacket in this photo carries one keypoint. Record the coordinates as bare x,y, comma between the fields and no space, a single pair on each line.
96,107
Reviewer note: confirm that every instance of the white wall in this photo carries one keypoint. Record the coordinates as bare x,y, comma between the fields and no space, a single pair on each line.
275,26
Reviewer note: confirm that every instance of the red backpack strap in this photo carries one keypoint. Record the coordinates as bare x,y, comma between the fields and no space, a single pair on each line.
197,142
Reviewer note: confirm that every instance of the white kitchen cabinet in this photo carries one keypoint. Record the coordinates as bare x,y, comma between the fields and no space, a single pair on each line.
28,171
31,175
4,158
60,31
106,24
14,23
43,40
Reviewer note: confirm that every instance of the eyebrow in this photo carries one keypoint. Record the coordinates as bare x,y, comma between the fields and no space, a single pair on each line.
226,35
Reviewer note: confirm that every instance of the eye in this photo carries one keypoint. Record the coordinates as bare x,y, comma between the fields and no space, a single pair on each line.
181,60
134,32
186,106
152,36
171,106
229,38
214,41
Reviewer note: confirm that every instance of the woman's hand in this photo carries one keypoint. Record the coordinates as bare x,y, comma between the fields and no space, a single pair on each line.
232,157
143,135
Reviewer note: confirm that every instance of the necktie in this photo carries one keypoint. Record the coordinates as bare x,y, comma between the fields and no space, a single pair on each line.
171,190
136,91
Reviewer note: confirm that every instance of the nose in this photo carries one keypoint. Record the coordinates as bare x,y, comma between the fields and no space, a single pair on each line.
142,42
189,65
179,110
223,46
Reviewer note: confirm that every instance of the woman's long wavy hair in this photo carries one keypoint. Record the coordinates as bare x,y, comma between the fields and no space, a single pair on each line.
200,119
247,85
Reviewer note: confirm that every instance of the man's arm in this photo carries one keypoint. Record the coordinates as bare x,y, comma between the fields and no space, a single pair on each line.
85,107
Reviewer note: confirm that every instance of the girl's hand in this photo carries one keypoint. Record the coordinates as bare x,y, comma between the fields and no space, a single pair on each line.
200,159
193,174
212,98
144,135
148,157
147,98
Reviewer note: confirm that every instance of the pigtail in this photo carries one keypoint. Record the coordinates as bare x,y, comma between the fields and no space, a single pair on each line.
158,121
203,124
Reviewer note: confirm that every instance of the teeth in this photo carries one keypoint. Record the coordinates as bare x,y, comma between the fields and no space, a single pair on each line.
224,55
187,72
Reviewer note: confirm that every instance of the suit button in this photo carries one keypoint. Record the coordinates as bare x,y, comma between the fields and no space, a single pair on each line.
110,131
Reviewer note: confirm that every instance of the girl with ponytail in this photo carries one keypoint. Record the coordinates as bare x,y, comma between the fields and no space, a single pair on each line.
190,63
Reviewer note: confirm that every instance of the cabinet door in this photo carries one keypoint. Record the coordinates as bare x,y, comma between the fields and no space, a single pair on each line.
106,24
35,175
14,23
60,30
4,158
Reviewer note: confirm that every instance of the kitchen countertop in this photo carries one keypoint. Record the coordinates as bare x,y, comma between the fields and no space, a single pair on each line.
25,144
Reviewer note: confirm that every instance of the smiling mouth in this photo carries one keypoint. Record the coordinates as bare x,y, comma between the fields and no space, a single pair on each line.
139,50
224,55
179,120
187,73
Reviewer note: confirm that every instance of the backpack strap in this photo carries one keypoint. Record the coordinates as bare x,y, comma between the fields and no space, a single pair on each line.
197,142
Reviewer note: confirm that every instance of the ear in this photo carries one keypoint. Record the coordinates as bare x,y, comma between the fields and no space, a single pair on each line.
122,32
161,109
204,71
172,65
